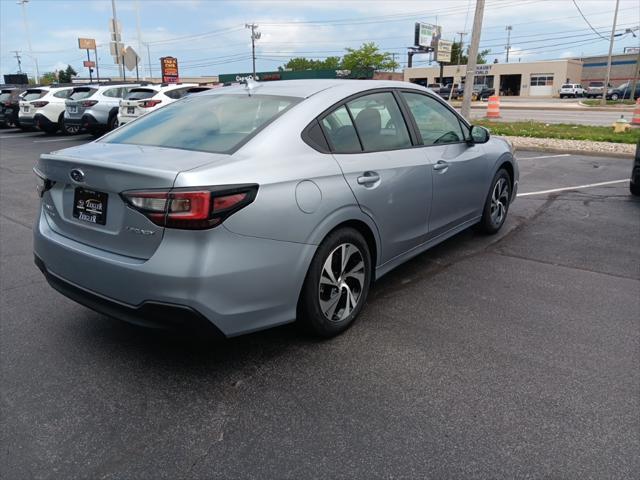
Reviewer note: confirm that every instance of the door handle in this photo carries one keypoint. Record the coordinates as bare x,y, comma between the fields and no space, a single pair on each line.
441,165
368,177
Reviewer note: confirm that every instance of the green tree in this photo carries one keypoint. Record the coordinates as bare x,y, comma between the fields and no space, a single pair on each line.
302,63
48,78
368,56
65,76
455,53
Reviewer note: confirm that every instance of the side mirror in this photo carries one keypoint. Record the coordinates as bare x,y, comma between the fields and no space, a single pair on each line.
479,134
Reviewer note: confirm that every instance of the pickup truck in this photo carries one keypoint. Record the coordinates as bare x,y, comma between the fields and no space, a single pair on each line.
444,92
482,91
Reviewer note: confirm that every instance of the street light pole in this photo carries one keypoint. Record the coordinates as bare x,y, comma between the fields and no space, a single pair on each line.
22,3
603,101
509,28
473,58
255,35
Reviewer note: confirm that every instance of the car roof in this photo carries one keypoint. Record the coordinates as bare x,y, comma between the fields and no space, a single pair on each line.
307,88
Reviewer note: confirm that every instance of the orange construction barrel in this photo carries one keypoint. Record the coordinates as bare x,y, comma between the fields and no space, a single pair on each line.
493,107
636,114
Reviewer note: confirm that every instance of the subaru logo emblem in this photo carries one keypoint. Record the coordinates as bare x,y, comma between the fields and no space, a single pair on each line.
77,175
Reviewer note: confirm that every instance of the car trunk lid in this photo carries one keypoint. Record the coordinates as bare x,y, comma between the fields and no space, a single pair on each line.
84,201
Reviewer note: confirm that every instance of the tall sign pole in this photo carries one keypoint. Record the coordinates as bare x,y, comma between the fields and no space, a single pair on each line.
608,77
508,47
473,58
115,29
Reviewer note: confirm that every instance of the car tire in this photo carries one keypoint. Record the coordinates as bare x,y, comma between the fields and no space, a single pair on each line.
561,97
634,188
614,96
112,124
326,307
69,129
496,205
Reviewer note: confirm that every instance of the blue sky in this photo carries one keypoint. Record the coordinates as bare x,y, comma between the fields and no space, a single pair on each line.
208,36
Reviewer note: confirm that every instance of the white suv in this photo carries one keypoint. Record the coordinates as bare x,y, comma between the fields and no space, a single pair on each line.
142,100
572,90
43,107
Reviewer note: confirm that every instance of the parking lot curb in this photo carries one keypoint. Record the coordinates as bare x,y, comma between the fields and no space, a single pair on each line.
592,153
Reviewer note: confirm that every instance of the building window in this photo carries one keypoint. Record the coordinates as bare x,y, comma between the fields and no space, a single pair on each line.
541,79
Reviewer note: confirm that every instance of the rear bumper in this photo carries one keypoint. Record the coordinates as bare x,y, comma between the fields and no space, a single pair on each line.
239,284
149,314
86,121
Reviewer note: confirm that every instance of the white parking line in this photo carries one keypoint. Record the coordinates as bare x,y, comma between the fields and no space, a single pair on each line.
21,135
544,156
577,187
66,139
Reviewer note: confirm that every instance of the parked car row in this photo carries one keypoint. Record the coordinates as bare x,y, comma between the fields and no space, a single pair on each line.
96,109
480,91
623,92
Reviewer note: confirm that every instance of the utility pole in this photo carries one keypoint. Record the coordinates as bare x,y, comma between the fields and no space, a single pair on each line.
608,77
137,4
22,3
393,56
508,47
473,58
18,59
255,35
635,77
462,34
149,60
115,34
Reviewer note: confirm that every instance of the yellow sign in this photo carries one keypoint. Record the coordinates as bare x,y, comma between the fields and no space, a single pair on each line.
87,43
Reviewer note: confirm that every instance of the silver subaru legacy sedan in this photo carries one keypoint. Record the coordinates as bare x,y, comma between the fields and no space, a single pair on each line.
251,206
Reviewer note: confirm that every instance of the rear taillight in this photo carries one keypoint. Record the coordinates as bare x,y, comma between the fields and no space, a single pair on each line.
39,104
149,103
89,103
191,209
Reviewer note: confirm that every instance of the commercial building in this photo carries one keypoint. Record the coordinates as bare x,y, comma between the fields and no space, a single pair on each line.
526,79
623,69
533,79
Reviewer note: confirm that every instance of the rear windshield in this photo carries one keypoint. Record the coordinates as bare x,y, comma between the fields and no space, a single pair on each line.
596,84
33,94
567,85
210,123
140,93
5,95
82,92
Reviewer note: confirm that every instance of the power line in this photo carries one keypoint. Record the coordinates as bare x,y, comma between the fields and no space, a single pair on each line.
587,21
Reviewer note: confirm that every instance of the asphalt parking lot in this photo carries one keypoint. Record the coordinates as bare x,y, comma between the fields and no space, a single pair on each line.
487,357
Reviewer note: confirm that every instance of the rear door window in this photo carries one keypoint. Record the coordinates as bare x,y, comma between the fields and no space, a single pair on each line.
379,122
340,131
177,93
113,92
5,95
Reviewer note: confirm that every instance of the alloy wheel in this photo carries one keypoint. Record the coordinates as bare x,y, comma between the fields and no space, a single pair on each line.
499,201
341,282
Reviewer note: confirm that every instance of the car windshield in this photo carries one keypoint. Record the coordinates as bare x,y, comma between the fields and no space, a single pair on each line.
624,86
82,92
210,123
33,94
140,93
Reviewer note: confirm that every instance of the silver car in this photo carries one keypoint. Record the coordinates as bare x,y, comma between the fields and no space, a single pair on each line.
246,207
95,107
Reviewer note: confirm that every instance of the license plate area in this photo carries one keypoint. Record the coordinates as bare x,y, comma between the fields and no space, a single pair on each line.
90,206
73,109
131,110
25,109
